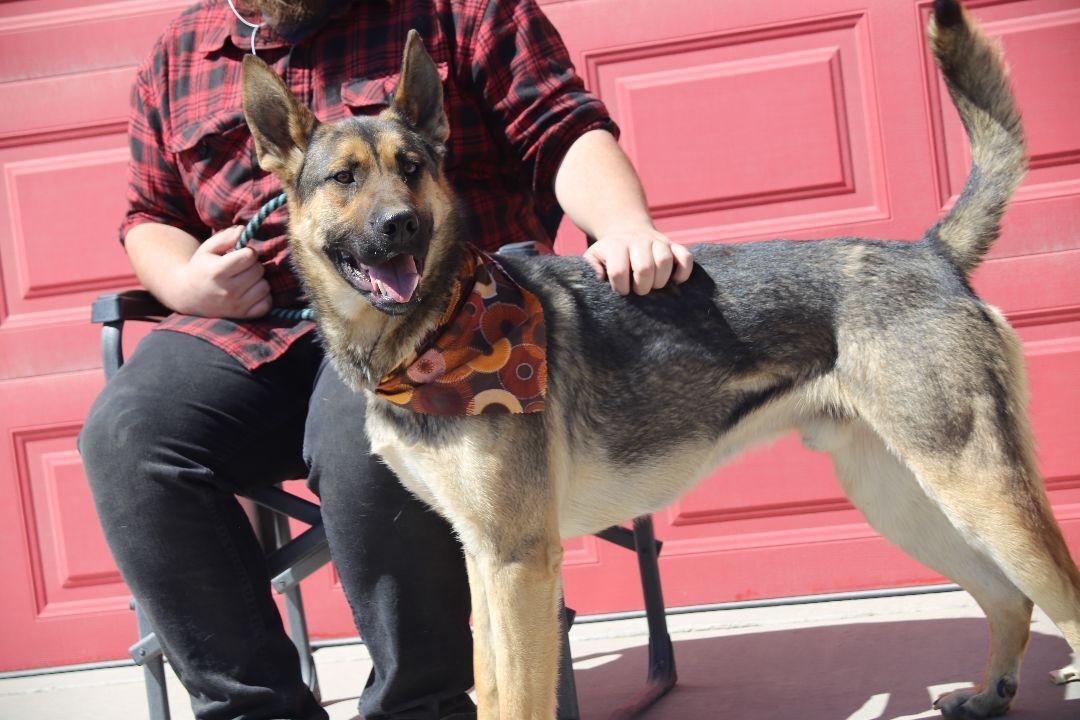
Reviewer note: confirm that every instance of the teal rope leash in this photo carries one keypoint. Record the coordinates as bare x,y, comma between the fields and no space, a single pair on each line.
257,220
245,238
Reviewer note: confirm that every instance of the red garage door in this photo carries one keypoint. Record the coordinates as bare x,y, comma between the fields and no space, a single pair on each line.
747,119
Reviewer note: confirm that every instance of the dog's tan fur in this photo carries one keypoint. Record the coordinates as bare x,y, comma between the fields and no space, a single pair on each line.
877,353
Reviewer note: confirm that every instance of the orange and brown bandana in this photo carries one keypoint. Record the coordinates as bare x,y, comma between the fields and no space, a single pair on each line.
487,355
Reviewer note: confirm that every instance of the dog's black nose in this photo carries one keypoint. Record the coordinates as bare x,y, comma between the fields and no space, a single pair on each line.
398,226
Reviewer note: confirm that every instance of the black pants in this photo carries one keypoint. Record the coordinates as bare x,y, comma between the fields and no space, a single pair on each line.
178,431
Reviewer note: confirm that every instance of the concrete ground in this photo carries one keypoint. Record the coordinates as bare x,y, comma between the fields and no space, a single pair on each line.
846,660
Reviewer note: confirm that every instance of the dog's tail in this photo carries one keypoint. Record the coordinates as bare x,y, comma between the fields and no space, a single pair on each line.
974,72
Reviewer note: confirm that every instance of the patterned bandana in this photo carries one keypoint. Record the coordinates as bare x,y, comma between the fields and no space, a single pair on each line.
487,355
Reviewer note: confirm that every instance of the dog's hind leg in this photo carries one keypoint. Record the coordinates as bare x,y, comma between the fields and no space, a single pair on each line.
889,495
1001,510
1002,513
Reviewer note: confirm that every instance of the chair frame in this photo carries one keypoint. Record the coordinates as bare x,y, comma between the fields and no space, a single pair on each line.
290,560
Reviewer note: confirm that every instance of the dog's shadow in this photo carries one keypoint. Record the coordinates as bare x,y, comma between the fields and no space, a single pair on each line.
847,672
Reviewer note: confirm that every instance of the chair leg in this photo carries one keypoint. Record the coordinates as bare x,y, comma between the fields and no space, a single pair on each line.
662,675
153,665
294,611
568,701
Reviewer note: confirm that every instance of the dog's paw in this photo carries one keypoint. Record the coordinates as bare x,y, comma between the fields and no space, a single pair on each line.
978,702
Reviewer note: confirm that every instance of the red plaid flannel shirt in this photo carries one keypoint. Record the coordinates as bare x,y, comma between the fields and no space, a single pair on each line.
514,103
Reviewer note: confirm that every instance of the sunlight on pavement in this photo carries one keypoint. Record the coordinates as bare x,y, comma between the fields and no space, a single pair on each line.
590,663
875,707
872,709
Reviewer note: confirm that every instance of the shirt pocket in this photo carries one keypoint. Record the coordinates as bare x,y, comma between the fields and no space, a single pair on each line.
196,131
370,95
216,159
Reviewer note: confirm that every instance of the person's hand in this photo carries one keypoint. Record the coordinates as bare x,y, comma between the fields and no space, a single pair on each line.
639,258
218,283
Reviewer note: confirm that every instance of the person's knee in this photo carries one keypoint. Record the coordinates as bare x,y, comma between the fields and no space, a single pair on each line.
97,439
345,469
335,439
115,438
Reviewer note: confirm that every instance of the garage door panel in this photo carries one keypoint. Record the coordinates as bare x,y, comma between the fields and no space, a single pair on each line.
43,38
50,242
59,251
1031,289
749,132
769,485
1043,56
65,75
764,102
63,159
79,105
581,551
72,569
779,570
71,604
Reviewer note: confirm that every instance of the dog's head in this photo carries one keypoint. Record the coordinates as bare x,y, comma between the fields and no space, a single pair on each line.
366,194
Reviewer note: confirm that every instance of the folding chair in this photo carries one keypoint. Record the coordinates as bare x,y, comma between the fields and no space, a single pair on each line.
290,560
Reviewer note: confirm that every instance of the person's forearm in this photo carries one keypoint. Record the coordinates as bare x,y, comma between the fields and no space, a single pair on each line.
597,187
158,253
600,192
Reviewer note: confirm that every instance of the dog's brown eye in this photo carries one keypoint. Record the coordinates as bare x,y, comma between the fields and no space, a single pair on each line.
409,168
344,177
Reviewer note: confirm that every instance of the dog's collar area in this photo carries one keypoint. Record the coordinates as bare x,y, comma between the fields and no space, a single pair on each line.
487,355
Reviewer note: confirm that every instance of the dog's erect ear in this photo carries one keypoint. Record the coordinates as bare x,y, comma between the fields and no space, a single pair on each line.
280,125
418,95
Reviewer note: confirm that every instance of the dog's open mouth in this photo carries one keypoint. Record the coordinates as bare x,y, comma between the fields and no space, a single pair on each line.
393,282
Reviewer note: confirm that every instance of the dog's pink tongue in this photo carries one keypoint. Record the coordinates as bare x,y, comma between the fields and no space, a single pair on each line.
398,277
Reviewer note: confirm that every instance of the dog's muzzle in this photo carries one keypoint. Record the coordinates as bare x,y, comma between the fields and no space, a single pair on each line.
389,285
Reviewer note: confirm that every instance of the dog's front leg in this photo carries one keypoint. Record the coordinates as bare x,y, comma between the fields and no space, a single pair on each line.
522,590
487,693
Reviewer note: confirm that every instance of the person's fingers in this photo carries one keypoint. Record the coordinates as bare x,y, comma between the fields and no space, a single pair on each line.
223,241
234,263
259,309
640,263
592,257
664,259
256,301
643,267
684,262
617,264
242,281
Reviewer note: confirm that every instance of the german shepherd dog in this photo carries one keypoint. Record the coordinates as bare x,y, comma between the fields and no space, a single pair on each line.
879,353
